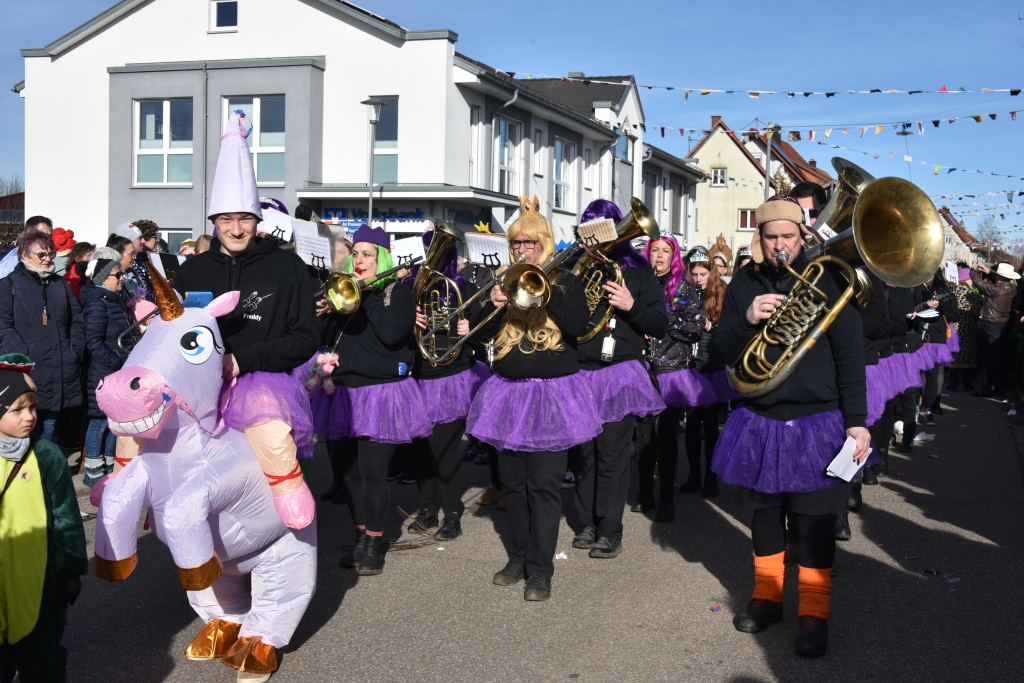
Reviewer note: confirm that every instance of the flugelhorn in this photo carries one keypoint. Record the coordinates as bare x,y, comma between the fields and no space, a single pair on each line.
594,265
437,296
344,292
894,231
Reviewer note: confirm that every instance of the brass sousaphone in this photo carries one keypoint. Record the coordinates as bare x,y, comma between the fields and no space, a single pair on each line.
887,225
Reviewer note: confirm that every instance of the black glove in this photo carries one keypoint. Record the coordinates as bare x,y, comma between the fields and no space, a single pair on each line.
69,586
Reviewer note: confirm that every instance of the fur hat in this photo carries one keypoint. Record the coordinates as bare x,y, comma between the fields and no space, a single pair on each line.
776,209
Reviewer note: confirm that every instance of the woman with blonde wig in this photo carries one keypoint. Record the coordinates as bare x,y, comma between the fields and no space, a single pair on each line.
536,406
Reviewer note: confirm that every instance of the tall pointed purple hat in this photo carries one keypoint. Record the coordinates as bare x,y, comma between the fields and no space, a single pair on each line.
234,183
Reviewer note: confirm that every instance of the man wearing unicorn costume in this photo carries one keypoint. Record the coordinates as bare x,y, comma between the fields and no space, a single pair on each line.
269,334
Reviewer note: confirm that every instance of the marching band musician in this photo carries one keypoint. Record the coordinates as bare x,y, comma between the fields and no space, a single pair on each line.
778,446
536,406
448,392
374,407
612,361
682,385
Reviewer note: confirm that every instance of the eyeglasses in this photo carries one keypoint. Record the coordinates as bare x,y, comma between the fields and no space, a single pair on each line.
118,275
524,244
45,255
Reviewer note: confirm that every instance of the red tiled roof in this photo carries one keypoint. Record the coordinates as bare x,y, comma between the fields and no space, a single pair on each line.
800,168
994,254
13,202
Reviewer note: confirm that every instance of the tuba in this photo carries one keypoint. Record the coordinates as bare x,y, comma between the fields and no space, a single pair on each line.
595,268
438,296
894,230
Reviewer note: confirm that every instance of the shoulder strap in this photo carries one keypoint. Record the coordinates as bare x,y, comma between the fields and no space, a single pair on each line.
12,475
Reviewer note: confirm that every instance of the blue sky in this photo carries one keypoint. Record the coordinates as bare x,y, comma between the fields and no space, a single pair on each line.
729,44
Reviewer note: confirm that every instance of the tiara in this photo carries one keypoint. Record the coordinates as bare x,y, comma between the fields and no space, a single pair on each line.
744,251
698,256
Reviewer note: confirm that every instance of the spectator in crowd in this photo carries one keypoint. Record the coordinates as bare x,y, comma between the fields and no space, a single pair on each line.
80,252
148,229
998,290
961,370
106,318
187,248
203,243
39,315
11,259
743,257
811,198
162,247
128,252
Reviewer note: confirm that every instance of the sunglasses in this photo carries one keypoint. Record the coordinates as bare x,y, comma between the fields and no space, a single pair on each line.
45,255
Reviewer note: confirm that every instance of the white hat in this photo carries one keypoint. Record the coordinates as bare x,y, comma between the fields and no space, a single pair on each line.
1004,269
234,183
128,231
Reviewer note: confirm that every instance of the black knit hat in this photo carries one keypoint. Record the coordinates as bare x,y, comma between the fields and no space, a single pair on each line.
14,369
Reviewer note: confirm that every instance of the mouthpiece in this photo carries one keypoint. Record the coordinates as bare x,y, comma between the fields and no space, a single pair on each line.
783,256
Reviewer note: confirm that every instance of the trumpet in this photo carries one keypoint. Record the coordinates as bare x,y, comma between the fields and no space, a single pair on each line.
343,290
527,287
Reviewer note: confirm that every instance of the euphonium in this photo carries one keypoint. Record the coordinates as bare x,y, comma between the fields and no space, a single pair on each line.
594,265
895,232
438,296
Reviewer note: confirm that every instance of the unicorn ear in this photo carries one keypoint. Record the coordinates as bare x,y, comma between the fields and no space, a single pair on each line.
223,304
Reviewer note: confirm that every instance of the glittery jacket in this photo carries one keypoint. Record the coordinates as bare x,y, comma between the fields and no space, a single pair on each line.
685,327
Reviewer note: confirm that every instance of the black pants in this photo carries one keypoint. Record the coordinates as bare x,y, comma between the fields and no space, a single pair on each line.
492,463
39,657
663,451
533,494
991,353
931,387
366,477
908,405
601,466
438,464
963,376
696,418
336,455
881,431
816,534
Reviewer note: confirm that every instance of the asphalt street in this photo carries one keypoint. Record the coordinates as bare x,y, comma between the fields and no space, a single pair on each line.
925,591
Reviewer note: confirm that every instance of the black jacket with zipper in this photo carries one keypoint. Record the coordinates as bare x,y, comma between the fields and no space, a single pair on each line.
830,376
647,317
273,328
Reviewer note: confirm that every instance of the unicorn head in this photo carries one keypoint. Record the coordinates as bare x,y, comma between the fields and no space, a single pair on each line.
176,365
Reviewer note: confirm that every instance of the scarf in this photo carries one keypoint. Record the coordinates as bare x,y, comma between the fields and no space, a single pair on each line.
13,449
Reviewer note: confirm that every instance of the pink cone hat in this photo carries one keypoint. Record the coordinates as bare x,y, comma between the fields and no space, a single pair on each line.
234,184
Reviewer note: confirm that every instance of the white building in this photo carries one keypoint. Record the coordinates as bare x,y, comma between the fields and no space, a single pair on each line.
123,118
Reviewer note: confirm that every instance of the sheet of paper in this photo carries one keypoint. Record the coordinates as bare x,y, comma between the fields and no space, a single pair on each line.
312,248
926,313
597,232
952,272
487,249
843,465
277,224
407,249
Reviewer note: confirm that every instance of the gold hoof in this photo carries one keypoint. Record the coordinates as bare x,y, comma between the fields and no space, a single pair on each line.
201,577
115,570
251,654
214,640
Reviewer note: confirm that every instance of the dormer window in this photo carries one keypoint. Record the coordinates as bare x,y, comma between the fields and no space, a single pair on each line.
223,15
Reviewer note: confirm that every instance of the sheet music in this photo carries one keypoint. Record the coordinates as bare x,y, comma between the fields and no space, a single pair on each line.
487,249
276,224
313,249
406,249
597,232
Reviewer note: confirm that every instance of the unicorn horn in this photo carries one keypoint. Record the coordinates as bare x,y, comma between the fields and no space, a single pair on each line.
166,298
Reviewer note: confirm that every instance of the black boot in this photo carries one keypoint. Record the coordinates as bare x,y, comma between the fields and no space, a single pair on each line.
666,505
423,522
538,588
869,475
330,493
451,528
884,467
373,558
843,532
692,484
812,638
758,616
354,556
644,502
856,500
585,539
513,572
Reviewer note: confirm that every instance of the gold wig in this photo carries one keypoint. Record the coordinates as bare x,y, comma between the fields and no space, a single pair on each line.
530,330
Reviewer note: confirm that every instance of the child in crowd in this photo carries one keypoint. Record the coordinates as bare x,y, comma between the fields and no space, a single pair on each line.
42,541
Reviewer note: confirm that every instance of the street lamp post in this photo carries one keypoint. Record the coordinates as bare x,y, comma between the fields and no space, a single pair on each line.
374,105
773,129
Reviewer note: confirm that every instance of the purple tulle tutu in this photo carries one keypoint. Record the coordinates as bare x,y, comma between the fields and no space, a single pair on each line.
687,388
953,342
534,414
262,396
623,389
448,398
720,383
880,389
906,372
772,456
387,413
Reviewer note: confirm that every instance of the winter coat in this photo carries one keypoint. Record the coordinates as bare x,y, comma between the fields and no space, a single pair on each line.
685,328
105,319
56,348
997,301
933,330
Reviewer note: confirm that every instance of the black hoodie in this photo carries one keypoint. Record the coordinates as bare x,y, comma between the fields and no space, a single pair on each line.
830,376
273,327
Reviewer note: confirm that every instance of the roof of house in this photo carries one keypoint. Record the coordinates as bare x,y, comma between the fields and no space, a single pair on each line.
798,167
522,86
13,202
972,242
579,94
736,140
683,164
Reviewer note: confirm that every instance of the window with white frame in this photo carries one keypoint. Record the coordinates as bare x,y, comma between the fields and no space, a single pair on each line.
474,144
588,168
163,143
385,145
565,163
759,158
509,145
223,15
748,220
539,152
677,207
624,147
174,238
718,177
650,181
266,117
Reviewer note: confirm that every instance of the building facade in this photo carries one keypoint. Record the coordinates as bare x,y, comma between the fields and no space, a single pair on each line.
456,139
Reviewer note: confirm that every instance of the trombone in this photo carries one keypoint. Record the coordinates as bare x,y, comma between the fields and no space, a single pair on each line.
526,285
343,290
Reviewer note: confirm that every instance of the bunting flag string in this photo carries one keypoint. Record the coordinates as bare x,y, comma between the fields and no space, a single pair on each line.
584,81
909,159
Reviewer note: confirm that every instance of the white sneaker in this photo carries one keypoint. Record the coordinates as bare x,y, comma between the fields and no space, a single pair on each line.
570,481
246,677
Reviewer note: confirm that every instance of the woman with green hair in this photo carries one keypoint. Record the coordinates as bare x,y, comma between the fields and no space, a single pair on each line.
375,405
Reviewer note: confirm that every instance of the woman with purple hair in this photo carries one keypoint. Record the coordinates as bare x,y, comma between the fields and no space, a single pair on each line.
448,392
682,385
612,362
